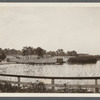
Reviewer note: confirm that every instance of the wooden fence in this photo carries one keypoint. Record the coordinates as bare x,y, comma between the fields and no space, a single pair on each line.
96,86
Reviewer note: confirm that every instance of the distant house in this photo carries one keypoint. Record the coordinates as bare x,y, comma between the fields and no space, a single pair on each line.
26,57
13,58
10,58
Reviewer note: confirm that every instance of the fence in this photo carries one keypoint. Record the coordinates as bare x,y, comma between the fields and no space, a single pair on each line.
96,86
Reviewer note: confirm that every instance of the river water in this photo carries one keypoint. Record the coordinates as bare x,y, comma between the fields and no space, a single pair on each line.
64,70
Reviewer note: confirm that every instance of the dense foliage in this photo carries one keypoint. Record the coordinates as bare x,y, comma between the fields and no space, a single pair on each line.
2,55
40,52
28,50
38,88
82,60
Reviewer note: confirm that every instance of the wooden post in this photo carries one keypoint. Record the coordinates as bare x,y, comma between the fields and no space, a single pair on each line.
96,89
52,82
18,82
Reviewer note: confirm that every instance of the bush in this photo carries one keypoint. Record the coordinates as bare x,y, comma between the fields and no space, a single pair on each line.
8,60
82,60
2,56
38,88
33,88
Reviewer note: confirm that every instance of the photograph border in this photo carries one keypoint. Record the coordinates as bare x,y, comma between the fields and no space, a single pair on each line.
49,96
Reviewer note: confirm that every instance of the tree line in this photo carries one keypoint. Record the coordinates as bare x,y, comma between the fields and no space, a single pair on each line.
40,52
28,50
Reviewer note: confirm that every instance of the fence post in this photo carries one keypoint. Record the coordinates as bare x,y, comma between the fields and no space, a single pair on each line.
18,82
52,82
96,89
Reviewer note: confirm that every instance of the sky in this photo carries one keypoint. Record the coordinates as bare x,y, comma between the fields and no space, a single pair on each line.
51,27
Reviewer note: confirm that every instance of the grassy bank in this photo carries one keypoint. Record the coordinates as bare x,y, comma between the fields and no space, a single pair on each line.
82,60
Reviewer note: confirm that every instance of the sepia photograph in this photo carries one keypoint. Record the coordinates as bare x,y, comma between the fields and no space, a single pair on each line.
49,48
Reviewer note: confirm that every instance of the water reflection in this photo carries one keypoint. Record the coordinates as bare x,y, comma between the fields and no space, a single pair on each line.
64,70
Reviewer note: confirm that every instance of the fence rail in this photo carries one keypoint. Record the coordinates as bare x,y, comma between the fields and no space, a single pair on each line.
46,77
53,85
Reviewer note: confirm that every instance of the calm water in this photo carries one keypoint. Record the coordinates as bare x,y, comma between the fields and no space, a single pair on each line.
64,70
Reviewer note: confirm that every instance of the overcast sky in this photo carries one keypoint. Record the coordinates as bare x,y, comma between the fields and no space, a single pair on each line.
51,27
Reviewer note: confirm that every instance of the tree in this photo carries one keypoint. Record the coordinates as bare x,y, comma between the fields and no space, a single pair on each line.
2,55
27,51
8,51
1,50
72,53
52,53
60,52
40,52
